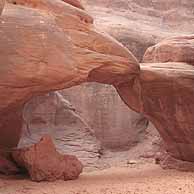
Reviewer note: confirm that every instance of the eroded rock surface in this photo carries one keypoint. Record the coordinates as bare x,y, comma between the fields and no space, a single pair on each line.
166,161
31,33
44,163
164,94
29,66
75,3
139,24
114,124
176,49
54,115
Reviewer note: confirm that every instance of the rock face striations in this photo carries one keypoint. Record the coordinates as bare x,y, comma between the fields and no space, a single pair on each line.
49,45
52,114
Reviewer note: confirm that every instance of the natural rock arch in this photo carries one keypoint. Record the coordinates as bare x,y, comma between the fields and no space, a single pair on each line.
49,51
50,45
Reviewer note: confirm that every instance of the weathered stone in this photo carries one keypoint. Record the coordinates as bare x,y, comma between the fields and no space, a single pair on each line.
2,4
139,24
7,167
175,49
75,3
117,130
31,33
164,94
54,115
168,162
44,163
29,67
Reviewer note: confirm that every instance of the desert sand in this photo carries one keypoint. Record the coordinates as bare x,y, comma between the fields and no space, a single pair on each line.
137,179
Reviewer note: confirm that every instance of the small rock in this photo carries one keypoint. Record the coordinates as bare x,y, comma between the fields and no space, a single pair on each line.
44,163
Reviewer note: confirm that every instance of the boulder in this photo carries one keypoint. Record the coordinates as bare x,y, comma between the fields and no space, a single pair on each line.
164,94
174,49
44,163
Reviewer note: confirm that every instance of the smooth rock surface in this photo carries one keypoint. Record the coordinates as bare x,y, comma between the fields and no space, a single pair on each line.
44,163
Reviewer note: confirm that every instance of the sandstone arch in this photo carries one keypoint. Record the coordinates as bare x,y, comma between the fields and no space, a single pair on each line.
50,45
44,52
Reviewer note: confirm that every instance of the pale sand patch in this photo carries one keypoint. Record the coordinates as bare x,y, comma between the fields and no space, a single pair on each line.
141,179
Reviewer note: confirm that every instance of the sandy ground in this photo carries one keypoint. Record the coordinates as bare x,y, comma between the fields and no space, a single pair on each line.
138,179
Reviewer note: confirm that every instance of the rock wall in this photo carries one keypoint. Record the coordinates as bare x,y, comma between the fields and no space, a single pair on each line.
52,114
115,125
139,24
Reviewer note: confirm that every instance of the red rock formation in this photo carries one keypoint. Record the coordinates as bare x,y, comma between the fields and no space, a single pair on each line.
51,46
38,3
176,49
116,130
164,94
139,24
56,116
75,3
7,167
168,162
54,46
2,4
44,163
